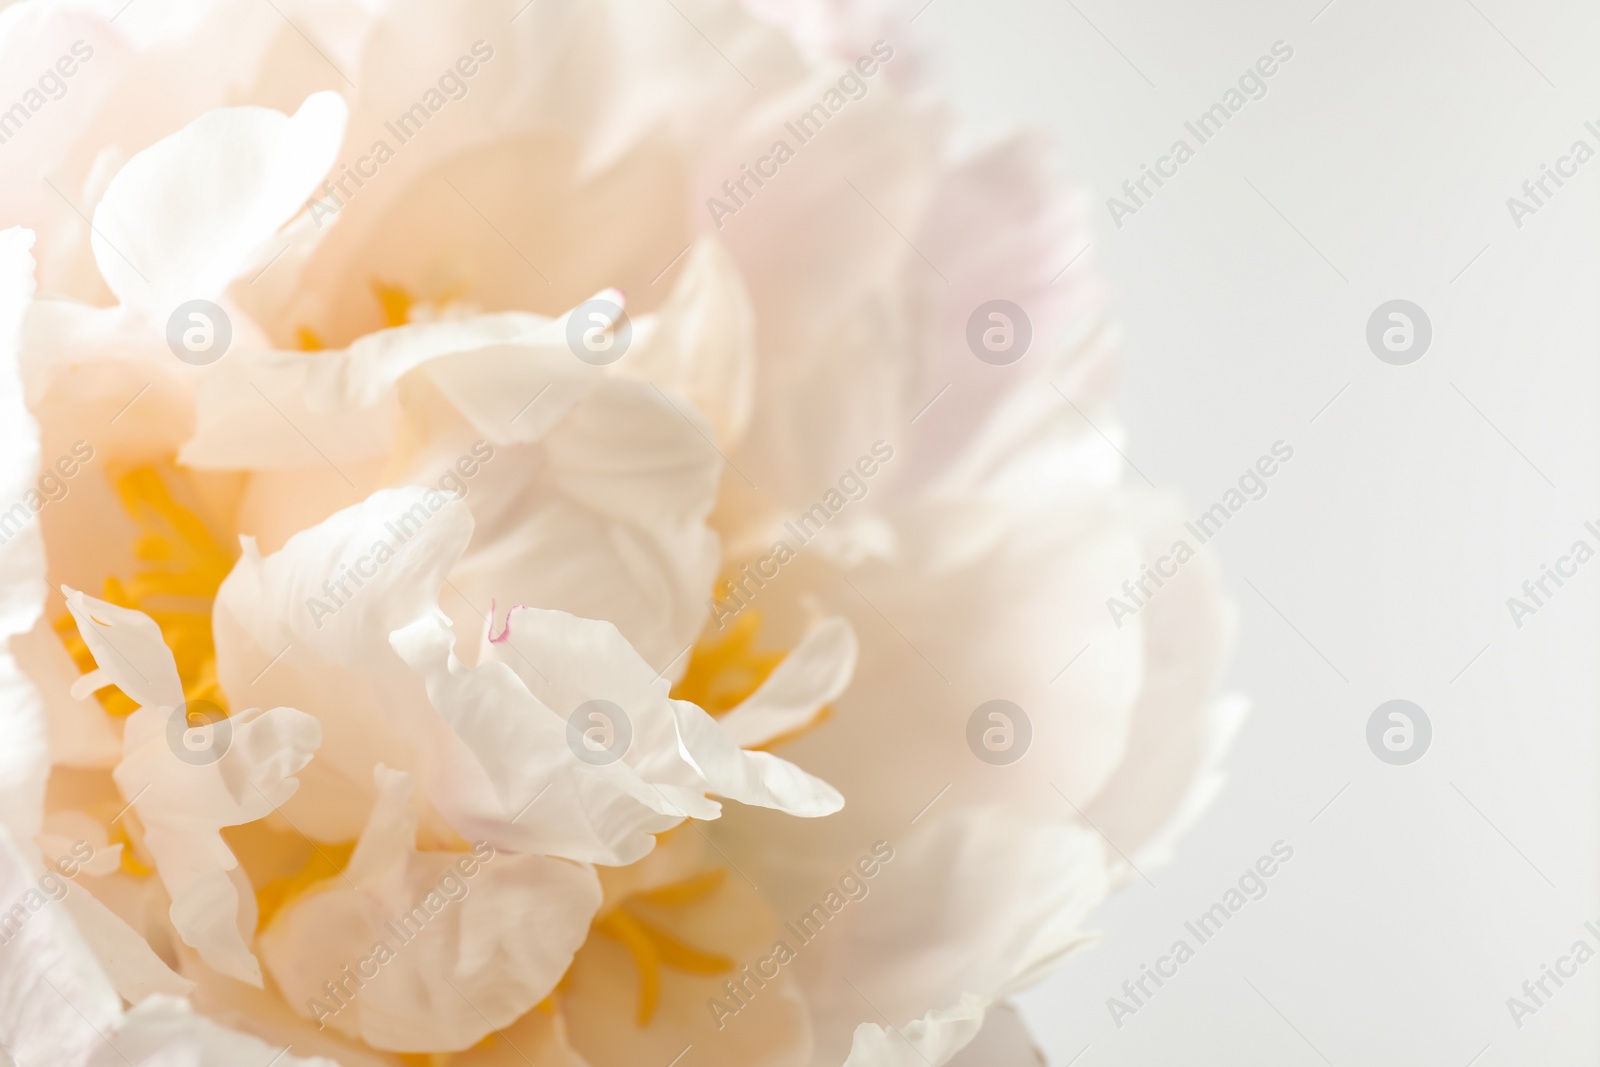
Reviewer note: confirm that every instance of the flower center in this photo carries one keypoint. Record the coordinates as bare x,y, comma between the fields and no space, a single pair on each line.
395,301
180,566
324,862
725,670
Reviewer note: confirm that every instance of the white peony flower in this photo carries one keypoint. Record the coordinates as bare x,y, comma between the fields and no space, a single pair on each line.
491,450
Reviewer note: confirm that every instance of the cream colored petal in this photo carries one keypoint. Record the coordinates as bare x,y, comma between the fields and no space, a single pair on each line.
600,998
398,543
309,625
180,218
81,733
931,1040
700,343
975,900
58,1009
547,801
487,750
128,960
53,995
164,1031
254,407
1180,729
470,941
78,844
538,1039
187,783
568,662
183,806
129,650
814,672
618,493
24,757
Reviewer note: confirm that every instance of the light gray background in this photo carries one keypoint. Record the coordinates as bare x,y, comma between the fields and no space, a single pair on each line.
1423,896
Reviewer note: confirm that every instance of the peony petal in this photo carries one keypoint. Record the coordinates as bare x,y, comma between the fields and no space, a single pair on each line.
54,1000
82,734
597,814
164,1031
181,217
815,672
183,803
976,901
486,749
567,662
183,806
618,493
930,1041
129,962
131,653
316,592
700,343
447,974
757,778
772,1029
490,366
24,757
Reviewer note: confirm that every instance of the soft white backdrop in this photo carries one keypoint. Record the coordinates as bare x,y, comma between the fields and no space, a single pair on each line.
1377,167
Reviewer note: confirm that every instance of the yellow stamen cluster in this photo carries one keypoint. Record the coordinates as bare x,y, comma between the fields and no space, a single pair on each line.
724,671
180,567
324,862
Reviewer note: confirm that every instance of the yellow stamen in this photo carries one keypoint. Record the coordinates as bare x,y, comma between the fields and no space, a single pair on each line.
307,340
395,301
723,672
645,958
182,566
688,891
680,956
122,832
325,861
653,948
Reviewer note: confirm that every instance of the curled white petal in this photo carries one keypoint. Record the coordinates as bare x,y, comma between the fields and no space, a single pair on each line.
568,662
815,672
182,803
180,218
